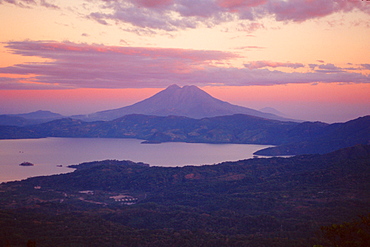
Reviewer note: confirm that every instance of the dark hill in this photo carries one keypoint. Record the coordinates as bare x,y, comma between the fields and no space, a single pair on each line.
292,138
323,138
188,101
226,129
12,120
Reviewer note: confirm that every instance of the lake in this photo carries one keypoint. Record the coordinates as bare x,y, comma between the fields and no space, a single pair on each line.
53,155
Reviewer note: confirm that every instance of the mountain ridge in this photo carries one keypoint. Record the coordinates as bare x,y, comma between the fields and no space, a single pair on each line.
24,119
40,114
326,138
291,138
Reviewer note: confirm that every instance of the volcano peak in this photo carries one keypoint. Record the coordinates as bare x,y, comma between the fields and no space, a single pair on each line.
189,101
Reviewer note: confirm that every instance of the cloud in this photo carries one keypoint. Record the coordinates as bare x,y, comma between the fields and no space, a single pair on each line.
30,3
19,3
153,18
152,3
236,5
250,47
329,68
246,76
48,5
71,65
250,27
262,64
97,66
173,15
312,66
301,10
25,83
366,66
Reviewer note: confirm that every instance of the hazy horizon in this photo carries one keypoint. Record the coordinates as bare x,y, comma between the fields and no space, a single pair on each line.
328,112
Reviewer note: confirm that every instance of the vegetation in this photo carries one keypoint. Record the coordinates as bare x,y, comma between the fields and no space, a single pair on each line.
26,163
292,138
297,201
355,233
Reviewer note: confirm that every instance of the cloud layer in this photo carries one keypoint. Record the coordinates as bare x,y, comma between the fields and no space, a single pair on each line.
182,14
72,65
171,15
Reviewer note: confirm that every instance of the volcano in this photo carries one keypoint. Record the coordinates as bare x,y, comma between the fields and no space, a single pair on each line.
188,101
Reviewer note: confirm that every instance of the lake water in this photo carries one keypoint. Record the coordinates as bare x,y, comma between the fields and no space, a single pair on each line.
53,155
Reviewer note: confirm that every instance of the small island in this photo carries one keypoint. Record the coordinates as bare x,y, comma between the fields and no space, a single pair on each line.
26,164
151,142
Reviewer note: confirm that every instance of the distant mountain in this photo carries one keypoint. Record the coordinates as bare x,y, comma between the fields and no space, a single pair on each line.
31,118
40,115
188,101
272,111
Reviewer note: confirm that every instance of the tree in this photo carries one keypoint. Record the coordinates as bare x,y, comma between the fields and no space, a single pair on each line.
349,234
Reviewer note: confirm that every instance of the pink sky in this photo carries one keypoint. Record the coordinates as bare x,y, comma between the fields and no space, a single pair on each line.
307,58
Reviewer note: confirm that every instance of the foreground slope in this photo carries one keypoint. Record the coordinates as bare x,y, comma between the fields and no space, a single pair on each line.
255,202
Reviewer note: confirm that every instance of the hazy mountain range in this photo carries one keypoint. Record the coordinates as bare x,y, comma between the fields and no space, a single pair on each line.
253,202
188,101
29,118
189,114
291,137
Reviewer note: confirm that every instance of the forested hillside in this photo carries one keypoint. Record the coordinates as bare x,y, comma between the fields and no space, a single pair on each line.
291,138
255,202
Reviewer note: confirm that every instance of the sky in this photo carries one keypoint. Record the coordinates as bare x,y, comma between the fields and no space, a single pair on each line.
309,59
